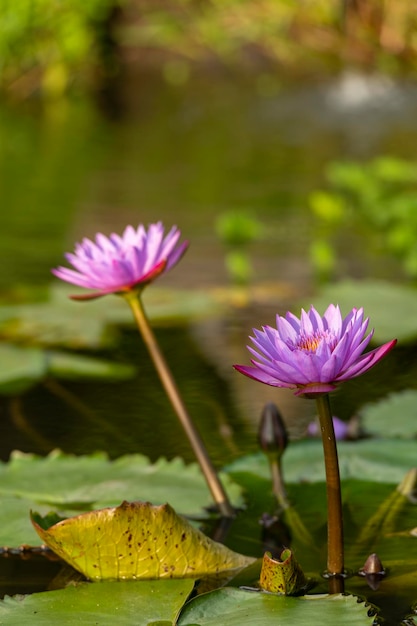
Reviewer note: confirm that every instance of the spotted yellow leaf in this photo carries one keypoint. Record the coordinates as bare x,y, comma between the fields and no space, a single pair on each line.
136,540
283,576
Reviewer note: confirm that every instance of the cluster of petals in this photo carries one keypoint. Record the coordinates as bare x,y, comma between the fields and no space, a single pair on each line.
117,263
313,353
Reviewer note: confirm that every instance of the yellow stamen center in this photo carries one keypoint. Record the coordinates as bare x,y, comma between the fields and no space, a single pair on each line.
309,344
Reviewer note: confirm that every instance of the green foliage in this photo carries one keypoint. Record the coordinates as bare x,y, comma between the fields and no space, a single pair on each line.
59,321
20,368
124,603
365,504
23,367
394,416
379,460
383,302
286,34
73,484
237,230
375,201
159,603
239,267
46,44
235,606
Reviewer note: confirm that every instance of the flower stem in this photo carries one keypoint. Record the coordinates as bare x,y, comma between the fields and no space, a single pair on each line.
335,557
277,482
217,490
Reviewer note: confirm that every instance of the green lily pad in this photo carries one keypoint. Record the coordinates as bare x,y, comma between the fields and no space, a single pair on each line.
230,607
16,529
384,303
379,517
394,416
136,540
79,367
378,460
109,603
23,367
61,322
73,484
20,368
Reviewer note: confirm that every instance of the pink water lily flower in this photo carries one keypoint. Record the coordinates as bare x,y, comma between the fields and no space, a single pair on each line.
313,354
117,264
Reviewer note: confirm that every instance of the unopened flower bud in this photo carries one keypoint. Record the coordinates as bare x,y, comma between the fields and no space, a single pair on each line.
373,571
272,434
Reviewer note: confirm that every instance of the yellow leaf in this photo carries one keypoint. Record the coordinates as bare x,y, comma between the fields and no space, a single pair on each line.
137,540
284,576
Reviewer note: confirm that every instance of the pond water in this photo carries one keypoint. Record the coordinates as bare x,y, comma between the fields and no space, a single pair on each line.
185,155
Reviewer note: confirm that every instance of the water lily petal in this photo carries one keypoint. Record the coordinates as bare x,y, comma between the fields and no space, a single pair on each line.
367,360
121,262
313,353
256,374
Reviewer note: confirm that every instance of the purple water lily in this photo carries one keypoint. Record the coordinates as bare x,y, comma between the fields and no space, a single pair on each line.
313,354
341,428
122,263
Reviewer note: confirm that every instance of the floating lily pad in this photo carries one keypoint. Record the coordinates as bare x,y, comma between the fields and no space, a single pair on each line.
230,607
20,368
379,460
123,603
23,367
378,517
73,484
62,322
79,367
136,540
394,416
384,303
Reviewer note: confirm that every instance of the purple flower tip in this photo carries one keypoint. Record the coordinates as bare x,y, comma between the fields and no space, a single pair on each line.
341,428
121,263
313,353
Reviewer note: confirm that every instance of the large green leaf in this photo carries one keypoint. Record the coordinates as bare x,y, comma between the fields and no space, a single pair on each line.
379,460
20,368
23,367
73,484
79,367
233,607
394,416
392,309
109,603
16,529
137,540
63,322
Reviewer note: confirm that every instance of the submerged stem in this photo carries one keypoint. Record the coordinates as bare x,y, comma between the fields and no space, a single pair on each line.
335,556
219,495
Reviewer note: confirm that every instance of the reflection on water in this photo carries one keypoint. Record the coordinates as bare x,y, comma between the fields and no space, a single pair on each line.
130,417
